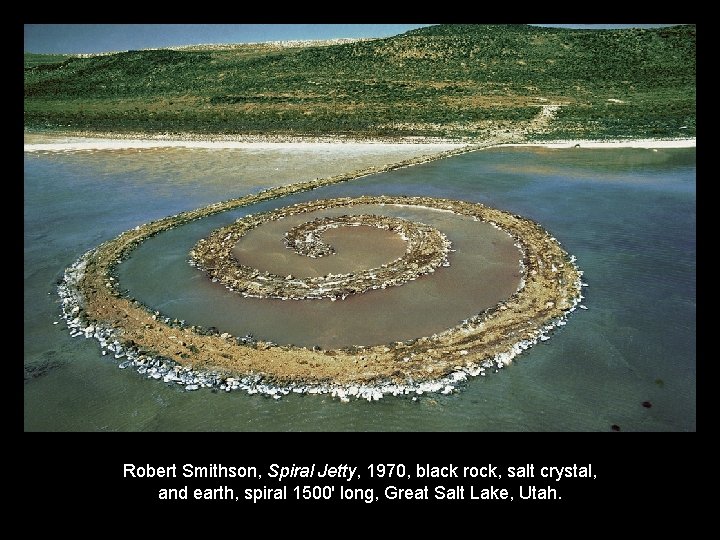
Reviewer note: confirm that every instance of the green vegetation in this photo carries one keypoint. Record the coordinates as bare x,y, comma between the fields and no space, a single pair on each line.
448,80
44,61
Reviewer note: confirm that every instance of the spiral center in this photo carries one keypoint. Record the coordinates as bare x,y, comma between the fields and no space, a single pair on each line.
307,238
426,249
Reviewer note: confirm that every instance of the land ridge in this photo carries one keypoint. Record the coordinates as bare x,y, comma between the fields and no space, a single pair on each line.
459,82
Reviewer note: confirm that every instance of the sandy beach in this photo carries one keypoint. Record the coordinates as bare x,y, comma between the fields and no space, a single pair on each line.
139,144
259,162
35,142
636,143
402,149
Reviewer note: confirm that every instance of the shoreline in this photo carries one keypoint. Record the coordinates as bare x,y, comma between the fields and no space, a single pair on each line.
73,142
57,142
595,144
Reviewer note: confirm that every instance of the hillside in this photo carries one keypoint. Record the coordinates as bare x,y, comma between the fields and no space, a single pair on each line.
448,80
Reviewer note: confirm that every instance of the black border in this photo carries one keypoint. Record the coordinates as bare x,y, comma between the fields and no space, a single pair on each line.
658,472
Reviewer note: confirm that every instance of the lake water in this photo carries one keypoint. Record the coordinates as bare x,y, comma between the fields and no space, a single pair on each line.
627,214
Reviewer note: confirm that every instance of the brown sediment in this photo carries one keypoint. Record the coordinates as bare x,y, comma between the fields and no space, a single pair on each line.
551,287
427,248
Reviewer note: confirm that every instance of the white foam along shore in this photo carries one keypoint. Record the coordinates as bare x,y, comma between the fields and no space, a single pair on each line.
630,143
89,144
74,144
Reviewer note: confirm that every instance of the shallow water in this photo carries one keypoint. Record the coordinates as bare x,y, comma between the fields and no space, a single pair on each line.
628,216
